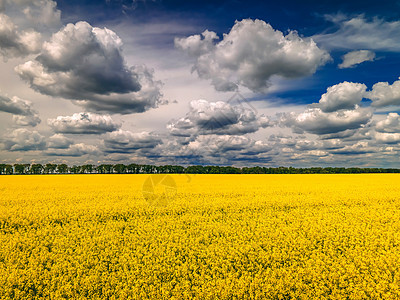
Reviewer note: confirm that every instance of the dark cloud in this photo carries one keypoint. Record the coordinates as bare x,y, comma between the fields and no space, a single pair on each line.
76,150
217,118
338,135
23,140
85,63
354,149
216,149
23,113
128,142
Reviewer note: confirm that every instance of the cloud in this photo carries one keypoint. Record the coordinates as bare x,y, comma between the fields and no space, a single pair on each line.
16,43
15,106
361,33
223,149
59,141
76,150
23,23
354,58
355,149
383,94
390,125
217,118
362,133
128,142
314,120
387,138
250,54
85,63
41,11
23,113
281,139
36,12
23,140
220,144
344,95
336,113
300,144
83,123
26,120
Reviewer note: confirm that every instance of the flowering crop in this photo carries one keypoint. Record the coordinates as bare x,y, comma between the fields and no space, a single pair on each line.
214,237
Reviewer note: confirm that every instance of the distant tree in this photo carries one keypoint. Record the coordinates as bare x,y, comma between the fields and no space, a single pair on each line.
168,169
108,168
36,169
8,169
161,169
19,169
87,169
232,170
177,169
119,168
100,169
27,168
195,170
133,168
62,169
75,169
148,169
50,168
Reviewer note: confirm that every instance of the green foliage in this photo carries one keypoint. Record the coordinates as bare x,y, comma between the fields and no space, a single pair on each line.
19,169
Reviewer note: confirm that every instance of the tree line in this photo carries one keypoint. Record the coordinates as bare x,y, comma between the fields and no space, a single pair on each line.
24,169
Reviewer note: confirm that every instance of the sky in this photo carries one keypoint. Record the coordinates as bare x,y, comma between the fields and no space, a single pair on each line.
240,83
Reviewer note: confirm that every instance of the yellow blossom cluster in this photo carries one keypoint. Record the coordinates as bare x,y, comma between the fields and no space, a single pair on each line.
212,237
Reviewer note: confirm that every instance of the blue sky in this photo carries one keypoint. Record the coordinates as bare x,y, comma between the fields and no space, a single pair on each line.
294,83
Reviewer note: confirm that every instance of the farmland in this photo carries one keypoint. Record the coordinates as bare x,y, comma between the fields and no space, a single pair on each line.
200,236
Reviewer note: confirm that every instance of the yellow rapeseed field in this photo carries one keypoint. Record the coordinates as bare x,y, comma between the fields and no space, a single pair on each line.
207,237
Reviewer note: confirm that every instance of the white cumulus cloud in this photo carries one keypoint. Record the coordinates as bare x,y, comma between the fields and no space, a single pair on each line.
314,120
40,11
390,125
83,123
337,111
59,141
250,54
384,94
16,43
344,95
387,138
